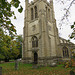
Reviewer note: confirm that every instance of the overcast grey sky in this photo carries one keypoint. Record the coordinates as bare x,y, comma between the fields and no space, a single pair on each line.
58,8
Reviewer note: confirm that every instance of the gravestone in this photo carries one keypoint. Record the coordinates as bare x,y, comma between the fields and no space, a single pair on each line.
16,65
0,70
53,64
34,66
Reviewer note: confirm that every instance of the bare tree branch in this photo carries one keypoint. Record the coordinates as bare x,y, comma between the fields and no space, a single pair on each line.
67,11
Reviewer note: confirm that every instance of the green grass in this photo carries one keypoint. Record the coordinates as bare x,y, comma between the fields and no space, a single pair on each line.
26,69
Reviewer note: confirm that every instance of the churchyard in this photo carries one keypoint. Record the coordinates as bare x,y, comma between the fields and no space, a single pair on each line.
26,69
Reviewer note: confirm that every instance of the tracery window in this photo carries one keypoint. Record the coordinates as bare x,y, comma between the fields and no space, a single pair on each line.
34,41
65,52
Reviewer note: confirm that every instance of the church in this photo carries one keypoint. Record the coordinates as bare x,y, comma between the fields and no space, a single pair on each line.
41,42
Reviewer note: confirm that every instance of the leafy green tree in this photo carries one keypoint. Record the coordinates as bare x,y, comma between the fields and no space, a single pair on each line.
14,50
5,23
5,46
8,47
6,13
6,53
1,44
19,45
1,57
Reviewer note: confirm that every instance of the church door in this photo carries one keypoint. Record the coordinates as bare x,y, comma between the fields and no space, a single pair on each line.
35,58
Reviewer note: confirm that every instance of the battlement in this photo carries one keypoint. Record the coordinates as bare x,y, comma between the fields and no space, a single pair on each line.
34,1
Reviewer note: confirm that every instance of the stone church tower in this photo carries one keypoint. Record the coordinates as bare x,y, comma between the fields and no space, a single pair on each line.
40,34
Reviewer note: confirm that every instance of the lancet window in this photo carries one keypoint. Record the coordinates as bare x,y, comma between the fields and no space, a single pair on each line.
32,16
35,12
48,13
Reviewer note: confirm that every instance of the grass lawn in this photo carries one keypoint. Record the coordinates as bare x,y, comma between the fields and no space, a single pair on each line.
26,69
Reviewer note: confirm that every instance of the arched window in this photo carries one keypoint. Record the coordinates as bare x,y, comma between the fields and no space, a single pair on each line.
65,52
32,16
34,41
35,12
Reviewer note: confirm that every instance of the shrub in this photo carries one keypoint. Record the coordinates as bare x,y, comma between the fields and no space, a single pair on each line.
67,64
72,72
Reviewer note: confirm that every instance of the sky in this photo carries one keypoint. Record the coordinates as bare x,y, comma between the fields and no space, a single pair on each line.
65,30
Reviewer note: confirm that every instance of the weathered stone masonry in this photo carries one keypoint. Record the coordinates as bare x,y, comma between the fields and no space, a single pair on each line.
41,42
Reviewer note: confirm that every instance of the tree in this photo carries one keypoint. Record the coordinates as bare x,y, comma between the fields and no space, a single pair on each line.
6,13
1,57
66,9
14,50
6,24
19,44
8,47
1,44
4,44
67,14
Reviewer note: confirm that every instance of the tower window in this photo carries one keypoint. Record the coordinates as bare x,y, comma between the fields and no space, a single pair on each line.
34,41
46,11
32,14
35,12
49,13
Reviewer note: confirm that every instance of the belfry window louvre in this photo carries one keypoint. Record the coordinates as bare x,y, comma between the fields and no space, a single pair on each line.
35,11
32,16
48,13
